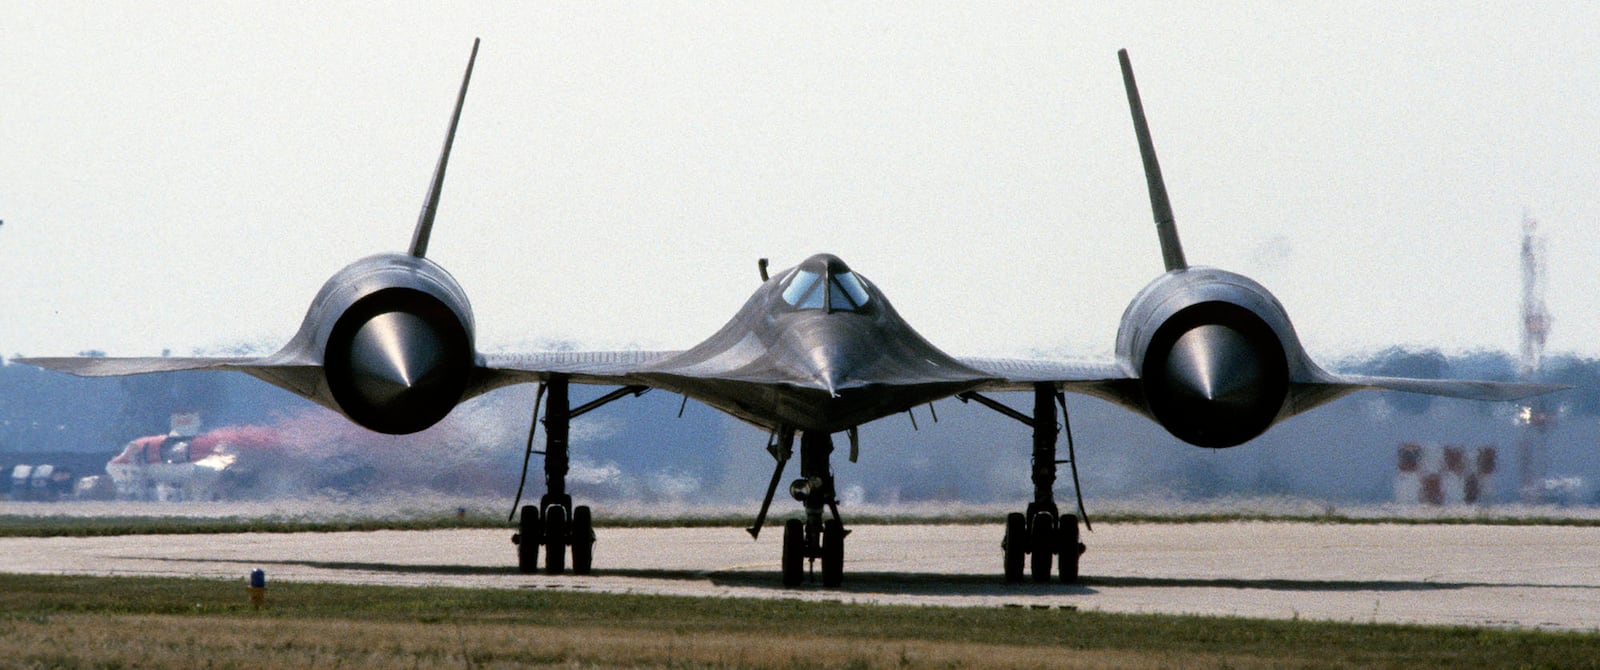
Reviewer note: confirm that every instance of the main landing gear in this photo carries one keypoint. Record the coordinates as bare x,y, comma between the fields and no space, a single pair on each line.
1041,535
815,539
1044,535
551,529
555,524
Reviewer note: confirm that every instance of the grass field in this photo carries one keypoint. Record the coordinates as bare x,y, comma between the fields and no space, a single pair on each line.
99,622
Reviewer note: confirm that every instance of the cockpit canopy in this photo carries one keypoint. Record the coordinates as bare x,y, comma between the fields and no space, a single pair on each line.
824,282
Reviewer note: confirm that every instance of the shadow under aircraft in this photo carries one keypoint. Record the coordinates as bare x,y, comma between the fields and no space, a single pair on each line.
816,351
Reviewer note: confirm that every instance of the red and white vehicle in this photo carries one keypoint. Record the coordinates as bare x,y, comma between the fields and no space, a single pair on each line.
185,464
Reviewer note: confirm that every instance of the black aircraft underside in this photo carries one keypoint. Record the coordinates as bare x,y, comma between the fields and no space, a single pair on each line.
774,406
817,350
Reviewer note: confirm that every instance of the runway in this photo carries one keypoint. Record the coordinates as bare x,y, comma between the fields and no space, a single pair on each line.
1545,577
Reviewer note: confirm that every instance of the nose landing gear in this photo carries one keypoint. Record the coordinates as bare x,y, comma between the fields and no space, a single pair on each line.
814,539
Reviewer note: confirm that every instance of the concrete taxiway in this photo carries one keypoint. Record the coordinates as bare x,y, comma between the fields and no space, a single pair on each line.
1477,575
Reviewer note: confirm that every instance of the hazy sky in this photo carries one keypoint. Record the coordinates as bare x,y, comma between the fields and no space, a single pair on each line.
187,175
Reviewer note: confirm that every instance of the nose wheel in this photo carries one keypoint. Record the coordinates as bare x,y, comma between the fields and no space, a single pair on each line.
832,553
794,552
812,540
827,548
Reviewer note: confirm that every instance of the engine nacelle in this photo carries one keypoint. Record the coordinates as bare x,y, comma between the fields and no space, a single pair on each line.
1215,353
396,339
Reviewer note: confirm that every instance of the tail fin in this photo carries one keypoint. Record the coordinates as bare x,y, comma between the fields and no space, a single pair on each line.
430,206
1166,228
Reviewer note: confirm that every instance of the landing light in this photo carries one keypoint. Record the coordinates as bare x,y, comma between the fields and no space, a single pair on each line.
800,489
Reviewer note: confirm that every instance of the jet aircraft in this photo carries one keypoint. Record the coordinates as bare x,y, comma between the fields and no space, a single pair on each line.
816,351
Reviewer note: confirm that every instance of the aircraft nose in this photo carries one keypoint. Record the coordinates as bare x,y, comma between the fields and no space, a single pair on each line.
832,353
1216,363
394,355
831,378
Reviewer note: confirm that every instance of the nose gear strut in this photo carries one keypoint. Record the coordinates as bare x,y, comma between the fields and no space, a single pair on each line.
814,538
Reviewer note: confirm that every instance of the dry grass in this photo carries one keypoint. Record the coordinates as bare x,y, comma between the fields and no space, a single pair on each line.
84,622
170,641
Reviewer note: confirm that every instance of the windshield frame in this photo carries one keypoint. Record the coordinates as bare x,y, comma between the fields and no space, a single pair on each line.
828,290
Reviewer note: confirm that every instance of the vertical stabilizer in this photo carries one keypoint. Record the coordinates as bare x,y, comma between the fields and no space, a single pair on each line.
1166,228
430,205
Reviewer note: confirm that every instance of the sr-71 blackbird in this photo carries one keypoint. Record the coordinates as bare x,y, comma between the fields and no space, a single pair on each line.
817,350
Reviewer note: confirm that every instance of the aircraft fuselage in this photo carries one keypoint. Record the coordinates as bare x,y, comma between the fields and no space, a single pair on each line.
816,348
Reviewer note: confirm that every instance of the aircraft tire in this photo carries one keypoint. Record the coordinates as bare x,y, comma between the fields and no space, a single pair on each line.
832,553
1015,545
1041,541
529,535
582,540
555,540
1068,548
794,545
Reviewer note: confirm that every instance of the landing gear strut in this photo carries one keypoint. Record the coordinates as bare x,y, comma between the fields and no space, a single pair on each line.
1042,533
555,524
814,538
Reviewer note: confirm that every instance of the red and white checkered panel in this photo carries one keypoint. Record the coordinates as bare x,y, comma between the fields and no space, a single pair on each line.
1431,474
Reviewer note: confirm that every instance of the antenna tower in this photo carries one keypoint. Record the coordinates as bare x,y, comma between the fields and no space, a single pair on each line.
1535,417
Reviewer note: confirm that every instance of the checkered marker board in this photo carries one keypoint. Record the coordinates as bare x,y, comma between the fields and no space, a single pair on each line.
1432,474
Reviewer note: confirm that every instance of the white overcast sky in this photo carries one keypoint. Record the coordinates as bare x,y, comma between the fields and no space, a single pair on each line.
186,175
